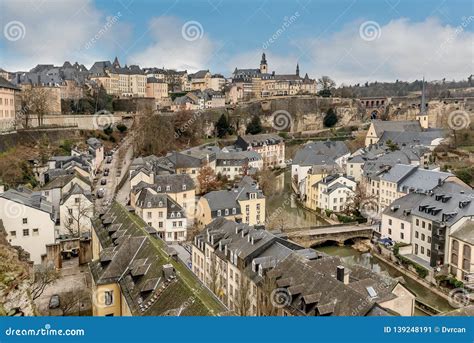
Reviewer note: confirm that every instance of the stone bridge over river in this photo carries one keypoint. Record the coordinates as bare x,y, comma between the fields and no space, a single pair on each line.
313,236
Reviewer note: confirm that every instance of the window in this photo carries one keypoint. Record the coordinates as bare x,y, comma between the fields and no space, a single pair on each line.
402,226
417,222
160,225
422,236
76,200
416,248
428,252
160,214
389,231
402,235
416,234
13,233
422,250
69,210
26,232
226,211
148,215
429,239
390,222
25,220
423,224
108,298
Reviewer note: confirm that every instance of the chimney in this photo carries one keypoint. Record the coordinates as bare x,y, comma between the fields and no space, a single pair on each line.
440,182
340,273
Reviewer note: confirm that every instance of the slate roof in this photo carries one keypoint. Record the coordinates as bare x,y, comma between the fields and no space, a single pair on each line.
315,290
76,189
381,126
425,138
257,140
320,152
412,177
28,198
63,180
230,159
6,84
402,207
149,281
465,233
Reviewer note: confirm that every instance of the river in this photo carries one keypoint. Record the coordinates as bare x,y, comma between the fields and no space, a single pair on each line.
283,203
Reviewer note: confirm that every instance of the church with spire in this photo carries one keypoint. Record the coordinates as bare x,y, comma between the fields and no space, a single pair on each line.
260,82
422,116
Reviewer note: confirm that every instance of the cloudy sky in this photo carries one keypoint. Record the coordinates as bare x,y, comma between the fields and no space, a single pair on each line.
353,41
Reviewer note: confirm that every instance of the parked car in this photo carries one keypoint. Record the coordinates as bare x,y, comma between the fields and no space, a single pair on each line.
54,301
100,193
103,182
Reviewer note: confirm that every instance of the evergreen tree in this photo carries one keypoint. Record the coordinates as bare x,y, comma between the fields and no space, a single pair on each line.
255,126
223,127
330,119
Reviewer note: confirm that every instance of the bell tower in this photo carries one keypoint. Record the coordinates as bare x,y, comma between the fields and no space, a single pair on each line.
422,116
263,65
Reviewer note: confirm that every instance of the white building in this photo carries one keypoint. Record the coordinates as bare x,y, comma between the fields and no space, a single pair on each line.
335,192
76,212
28,221
162,213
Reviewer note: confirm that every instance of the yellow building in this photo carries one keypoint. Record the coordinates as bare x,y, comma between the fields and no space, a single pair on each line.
461,253
245,203
134,275
7,105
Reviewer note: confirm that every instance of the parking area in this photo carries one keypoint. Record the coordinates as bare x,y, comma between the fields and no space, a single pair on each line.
73,288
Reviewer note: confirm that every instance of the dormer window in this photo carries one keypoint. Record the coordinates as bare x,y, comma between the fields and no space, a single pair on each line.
219,213
184,187
226,211
160,203
159,189
168,188
148,204
172,214
234,210
178,215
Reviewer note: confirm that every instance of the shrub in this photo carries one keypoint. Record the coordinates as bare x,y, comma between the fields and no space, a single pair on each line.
121,127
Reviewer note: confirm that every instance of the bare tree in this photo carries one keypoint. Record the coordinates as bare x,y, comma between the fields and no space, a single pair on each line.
243,302
78,213
267,288
44,275
72,302
35,100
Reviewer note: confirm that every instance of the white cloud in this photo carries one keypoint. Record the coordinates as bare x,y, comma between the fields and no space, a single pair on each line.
56,31
172,48
405,50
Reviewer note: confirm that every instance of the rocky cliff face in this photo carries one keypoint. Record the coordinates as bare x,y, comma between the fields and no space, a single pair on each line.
15,282
298,114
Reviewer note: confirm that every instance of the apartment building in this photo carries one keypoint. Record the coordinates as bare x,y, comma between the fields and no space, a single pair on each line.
7,105
461,253
156,88
76,211
162,213
179,187
28,221
130,277
231,164
379,127
244,203
249,269
270,146
334,192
